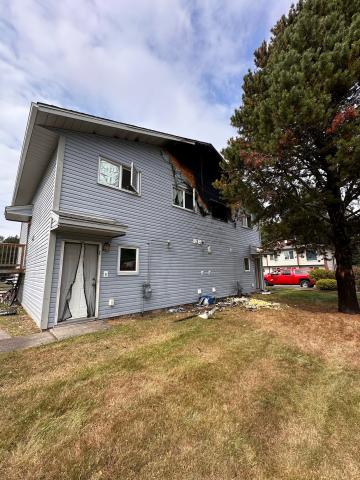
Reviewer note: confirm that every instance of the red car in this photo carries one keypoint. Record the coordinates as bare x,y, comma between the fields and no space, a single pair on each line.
289,277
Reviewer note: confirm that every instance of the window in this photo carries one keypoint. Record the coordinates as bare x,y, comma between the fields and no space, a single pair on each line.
183,197
128,261
289,254
273,257
246,221
246,264
311,255
119,176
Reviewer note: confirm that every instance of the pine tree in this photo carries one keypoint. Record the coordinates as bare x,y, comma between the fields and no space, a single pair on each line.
295,162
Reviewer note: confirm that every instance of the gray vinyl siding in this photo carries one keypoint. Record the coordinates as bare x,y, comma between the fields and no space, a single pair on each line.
176,272
38,245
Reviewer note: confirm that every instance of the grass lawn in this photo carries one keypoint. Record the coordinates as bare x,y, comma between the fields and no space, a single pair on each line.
246,395
309,298
17,325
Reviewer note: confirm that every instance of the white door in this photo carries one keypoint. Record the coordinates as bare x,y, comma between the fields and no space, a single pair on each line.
79,281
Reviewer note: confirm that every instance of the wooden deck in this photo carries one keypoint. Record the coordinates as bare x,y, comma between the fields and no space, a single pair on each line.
12,258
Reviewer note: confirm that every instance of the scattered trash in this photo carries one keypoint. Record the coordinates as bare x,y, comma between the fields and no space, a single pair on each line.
6,313
208,314
176,310
266,292
203,309
207,300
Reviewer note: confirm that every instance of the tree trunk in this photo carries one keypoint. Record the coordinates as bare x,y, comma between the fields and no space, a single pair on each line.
347,298
345,278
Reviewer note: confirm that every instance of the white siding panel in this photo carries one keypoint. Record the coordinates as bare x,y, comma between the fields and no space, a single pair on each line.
176,272
38,245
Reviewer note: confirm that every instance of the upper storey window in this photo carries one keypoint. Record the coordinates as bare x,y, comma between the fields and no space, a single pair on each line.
119,176
246,221
183,198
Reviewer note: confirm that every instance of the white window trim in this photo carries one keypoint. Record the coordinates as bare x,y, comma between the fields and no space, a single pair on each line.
244,221
184,189
247,270
127,272
120,166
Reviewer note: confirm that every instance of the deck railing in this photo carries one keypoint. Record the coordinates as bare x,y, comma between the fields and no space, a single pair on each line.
12,257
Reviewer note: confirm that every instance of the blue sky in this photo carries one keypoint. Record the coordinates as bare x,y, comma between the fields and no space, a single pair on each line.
171,65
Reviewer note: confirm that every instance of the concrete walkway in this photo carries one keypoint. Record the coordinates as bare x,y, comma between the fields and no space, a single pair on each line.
54,335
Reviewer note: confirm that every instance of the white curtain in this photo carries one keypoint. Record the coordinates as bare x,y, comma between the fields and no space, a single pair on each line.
72,252
90,276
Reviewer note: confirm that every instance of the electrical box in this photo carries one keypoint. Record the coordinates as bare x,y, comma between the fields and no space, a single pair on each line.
199,291
111,302
147,290
213,289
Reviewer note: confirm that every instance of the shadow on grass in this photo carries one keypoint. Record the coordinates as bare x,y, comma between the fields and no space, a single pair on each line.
308,299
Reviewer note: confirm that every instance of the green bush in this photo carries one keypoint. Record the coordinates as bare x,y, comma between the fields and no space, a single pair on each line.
356,270
326,284
320,273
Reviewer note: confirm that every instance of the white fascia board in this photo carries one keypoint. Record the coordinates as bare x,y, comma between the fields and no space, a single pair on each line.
29,128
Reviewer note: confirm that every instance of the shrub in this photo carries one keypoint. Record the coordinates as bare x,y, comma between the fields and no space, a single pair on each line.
320,273
326,284
356,270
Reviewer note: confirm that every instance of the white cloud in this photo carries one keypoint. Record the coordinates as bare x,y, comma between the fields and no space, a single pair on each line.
172,65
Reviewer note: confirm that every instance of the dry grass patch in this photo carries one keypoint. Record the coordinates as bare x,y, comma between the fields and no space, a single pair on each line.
19,324
234,397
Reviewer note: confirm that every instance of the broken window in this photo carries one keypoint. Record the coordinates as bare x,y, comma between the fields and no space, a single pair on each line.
126,178
219,211
119,176
128,261
246,264
183,197
109,173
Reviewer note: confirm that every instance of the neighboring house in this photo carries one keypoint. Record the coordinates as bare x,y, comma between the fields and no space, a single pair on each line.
120,219
287,256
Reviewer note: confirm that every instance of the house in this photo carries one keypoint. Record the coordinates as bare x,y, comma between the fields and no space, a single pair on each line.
119,219
287,256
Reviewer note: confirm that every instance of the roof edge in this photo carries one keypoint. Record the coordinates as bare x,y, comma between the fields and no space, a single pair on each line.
29,128
46,108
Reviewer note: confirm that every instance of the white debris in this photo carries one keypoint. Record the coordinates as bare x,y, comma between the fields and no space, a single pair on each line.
208,314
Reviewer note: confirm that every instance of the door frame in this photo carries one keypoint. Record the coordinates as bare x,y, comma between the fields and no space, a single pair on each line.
69,240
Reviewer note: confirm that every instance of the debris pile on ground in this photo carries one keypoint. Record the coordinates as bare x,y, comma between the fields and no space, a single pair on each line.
177,310
257,304
205,310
